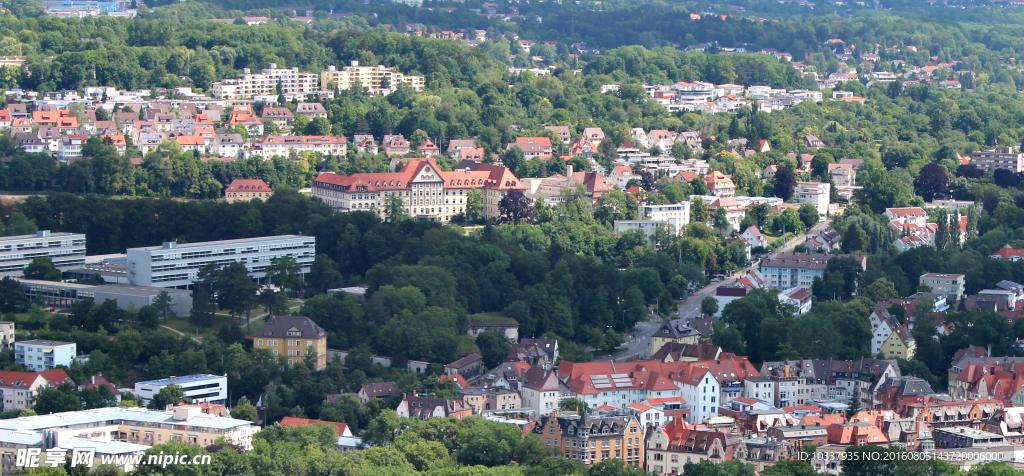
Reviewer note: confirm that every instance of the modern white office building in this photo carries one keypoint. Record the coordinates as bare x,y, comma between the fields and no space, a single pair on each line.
201,388
174,265
39,355
67,250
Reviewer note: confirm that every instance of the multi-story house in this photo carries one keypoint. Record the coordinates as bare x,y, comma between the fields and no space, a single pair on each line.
621,174
271,81
284,146
676,214
605,383
999,158
246,190
541,390
229,145
426,407
281,116
295,337
719,184
377,79
310,109
900,344
788,270
70,147
948,284
492,400
40,355
734,213
395,144
427,192
592,439
7,336
673,330
815,193
671,447
533,146
20,389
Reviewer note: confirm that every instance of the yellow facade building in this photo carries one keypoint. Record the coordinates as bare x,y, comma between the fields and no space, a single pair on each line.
293,337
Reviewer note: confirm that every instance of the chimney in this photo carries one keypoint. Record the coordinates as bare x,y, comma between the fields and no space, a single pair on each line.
568,170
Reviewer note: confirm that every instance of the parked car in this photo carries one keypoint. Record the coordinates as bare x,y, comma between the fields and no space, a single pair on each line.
50,309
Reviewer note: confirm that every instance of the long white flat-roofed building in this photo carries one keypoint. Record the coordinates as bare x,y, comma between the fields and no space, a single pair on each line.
67,250
201,388
174,265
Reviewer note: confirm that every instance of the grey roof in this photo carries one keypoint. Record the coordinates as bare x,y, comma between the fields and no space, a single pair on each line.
466,361
138,290
380,389
237,241
278,326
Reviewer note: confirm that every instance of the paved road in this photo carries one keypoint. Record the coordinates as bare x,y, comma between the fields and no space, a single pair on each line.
638,342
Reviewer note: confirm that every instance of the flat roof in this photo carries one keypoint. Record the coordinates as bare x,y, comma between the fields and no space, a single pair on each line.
180,380
55,284
103,415
44,342
33,236
137,290
224,242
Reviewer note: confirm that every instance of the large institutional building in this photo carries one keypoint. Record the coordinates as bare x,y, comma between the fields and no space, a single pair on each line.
67,250
172,265
377,79
427,192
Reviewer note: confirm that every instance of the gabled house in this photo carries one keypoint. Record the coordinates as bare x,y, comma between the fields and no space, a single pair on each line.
376,390
754,238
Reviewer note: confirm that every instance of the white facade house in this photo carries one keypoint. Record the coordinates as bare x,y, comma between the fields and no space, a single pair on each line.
882,333
678,214
541,390
789,270
754,238
815,193
39,355
66,250
172,265
702,396
759,388
649,227
948,284
201,388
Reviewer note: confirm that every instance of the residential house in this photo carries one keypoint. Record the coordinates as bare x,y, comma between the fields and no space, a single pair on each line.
246,190
679,352
812,141
428,149
537,352
563,132
787,270
282,117
843,175
754,238
948,284
454,145
621,175
673,330
71,147
592,439
856,434
899,344
719,184
815,193
826,240
594,135
296,337
734,213
380,390
671,447
20,389
426,407
1008,253
310,109
541,390
533,146
468,366
491,399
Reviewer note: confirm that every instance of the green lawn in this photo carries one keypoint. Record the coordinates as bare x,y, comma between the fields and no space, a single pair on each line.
466,344
490,318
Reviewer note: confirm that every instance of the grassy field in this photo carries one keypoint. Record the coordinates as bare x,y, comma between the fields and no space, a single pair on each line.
466,344
490,318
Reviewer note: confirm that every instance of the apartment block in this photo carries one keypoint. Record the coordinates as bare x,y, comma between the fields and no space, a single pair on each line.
677,214
789,270
67,250
948,284
292,83
378,79
172,265
815,193
39,355
998,158
271,145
